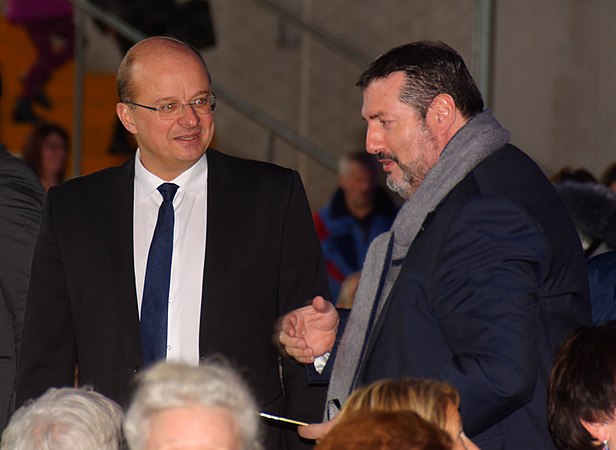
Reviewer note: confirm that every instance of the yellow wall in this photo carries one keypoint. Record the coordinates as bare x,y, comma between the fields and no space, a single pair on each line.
16,54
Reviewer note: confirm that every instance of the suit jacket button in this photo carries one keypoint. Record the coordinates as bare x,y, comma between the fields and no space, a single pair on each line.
136,369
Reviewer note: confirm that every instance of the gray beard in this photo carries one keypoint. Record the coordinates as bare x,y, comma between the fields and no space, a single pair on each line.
412,175
411,180
402,188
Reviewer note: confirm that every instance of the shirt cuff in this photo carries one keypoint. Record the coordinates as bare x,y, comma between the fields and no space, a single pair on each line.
320,362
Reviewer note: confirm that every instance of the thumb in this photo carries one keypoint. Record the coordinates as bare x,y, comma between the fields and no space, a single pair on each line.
316,431
320,304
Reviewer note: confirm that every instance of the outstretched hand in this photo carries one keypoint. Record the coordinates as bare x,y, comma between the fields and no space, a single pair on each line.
308,332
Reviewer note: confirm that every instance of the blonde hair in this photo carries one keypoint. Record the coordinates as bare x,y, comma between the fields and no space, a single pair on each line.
430,399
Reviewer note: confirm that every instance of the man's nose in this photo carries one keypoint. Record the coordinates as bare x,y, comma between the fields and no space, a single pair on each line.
374,140
188,115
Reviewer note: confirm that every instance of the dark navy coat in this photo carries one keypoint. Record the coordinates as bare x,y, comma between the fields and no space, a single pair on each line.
487,292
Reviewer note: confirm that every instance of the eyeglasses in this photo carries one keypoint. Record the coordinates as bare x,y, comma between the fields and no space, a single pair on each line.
173,110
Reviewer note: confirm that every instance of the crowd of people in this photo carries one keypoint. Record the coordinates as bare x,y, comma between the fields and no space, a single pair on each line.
138,303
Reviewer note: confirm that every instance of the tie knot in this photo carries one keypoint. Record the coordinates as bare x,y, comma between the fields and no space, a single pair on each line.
168,190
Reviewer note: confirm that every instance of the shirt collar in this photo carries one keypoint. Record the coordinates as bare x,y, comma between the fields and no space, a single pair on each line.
193,179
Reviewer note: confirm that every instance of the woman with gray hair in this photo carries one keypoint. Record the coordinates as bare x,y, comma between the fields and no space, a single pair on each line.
208,405
65,419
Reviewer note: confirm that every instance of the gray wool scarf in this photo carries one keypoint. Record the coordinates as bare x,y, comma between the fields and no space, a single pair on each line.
481,136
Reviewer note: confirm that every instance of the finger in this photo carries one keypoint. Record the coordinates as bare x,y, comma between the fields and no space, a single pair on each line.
290,342
304,359
318,303
321,305
304,355
314,431
289,324
298,355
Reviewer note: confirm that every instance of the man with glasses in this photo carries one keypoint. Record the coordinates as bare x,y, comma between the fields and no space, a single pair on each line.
172,255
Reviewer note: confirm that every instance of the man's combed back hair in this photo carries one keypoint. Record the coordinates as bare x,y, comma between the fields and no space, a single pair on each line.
431,68
65,419
213,384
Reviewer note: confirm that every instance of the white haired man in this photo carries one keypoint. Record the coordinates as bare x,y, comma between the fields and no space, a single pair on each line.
65,419
177,405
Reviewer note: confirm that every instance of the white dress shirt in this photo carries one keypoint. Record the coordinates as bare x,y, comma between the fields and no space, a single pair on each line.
188,259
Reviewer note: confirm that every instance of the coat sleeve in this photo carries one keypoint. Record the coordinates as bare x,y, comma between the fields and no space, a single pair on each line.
487,285
21,197
47,356
302,270
302,276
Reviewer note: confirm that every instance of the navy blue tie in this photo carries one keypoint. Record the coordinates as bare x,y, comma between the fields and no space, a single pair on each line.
157,279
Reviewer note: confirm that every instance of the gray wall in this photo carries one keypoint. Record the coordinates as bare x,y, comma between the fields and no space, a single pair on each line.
552,84
554,80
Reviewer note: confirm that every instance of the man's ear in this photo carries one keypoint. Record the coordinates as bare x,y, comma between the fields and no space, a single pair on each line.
442,111
125,114
599,430
443,119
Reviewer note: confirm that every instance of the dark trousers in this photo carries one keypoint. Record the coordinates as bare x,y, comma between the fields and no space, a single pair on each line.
49,56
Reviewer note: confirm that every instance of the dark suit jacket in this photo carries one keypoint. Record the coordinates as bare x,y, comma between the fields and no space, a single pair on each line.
21,198
262,259
486,294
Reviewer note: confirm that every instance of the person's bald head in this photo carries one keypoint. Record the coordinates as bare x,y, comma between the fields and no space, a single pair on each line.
148,51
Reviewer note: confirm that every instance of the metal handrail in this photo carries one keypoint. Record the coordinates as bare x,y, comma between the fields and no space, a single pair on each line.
319,34
483,40
251,111
281,130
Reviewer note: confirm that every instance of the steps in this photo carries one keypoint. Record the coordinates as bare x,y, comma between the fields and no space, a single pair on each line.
16,55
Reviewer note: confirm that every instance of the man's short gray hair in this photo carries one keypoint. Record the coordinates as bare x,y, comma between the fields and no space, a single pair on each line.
169,385
65,419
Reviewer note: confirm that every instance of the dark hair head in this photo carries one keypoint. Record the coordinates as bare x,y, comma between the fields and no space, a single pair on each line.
609,176
582,385
32,149
431,68
580,175
385,430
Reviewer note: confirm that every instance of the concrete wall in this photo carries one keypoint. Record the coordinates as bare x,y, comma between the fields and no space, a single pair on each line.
554,68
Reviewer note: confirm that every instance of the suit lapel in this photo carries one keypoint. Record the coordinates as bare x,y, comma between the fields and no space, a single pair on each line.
120,242
222,206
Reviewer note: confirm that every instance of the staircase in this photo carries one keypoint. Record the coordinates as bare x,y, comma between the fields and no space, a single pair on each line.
16,55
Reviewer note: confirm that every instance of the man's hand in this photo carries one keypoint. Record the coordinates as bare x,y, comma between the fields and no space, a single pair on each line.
308,332
316,431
